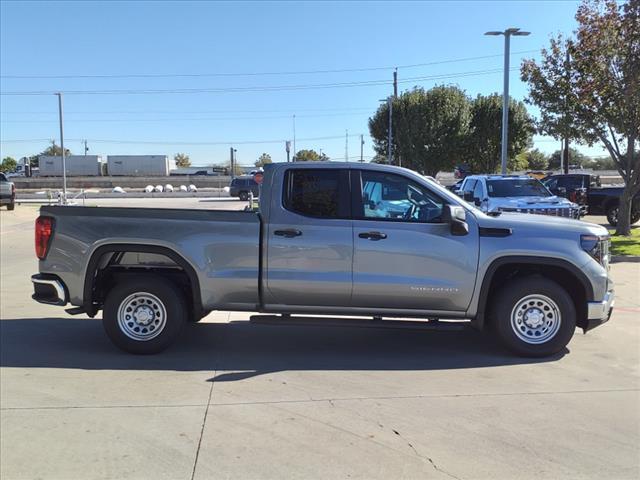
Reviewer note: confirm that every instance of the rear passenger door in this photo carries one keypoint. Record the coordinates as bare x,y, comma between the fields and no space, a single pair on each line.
309,239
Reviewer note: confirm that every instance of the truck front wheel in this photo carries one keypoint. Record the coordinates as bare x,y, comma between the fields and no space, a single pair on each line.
144,314
534,317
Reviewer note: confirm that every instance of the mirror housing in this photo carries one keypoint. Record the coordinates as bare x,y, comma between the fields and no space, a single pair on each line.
456,217
477,201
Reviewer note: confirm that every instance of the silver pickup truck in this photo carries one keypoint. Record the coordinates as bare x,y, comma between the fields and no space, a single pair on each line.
330,239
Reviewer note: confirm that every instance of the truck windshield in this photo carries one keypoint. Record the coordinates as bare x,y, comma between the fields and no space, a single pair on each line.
517,188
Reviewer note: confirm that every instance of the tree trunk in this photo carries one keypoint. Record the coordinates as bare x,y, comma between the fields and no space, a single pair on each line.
624,211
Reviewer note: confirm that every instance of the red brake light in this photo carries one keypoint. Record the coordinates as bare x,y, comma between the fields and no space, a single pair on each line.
44,230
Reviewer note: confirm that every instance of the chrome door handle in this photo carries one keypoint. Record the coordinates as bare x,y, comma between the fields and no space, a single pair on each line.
373,235
290,233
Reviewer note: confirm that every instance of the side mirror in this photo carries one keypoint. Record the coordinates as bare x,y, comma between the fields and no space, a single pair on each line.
456,217
477,201
468,196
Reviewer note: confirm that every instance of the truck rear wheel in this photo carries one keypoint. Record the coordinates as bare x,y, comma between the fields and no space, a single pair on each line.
244,196
144,314
534,317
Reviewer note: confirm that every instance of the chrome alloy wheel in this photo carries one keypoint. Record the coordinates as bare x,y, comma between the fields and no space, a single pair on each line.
142,316
535,319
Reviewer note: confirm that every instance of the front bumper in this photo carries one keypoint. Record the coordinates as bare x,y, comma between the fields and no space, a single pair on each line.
599,312
48,289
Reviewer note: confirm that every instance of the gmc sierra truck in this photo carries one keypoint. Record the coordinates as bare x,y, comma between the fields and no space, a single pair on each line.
330,239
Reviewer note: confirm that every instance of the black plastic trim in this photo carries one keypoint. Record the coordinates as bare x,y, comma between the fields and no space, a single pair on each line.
87,297
495,232
521,259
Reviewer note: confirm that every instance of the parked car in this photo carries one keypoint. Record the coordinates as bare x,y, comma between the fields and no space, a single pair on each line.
241,187
515,193
586,190
7,192
319,245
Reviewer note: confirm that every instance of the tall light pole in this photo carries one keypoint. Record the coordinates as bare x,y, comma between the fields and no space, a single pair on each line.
505,94
64,160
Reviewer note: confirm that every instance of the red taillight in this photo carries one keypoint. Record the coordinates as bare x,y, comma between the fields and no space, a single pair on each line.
44,230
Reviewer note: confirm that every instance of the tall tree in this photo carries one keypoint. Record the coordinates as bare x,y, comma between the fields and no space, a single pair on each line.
428,128
603,87
8,164
310,156
483,145
182,160
54,150
575,158
263,160
537,160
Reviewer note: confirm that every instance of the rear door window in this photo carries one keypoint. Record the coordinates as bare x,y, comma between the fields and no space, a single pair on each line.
317,193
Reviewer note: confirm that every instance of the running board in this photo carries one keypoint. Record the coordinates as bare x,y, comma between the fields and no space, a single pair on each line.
432,324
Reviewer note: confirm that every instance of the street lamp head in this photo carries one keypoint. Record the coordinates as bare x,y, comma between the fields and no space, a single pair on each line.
521,34
494,33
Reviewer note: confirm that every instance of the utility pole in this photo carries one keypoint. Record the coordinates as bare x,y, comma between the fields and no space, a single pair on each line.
346,145
86,149
287,147
295,152
361,148
505,94
64,160
390,139
395,83
566,137
231,162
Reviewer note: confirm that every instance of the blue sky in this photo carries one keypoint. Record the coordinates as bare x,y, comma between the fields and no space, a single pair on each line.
213,41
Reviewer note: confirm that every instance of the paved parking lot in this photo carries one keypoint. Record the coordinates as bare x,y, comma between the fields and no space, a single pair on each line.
233,399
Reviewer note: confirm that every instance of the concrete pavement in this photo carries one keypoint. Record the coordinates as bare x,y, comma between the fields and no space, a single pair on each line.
238,400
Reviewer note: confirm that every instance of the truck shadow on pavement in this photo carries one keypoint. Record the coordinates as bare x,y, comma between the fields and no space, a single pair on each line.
251,349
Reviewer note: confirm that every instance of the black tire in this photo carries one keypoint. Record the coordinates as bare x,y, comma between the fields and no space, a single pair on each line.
11,206
244,196
530,296
170,313
612,215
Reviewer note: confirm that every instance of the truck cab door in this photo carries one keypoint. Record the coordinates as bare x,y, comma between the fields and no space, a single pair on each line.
309,242
405,256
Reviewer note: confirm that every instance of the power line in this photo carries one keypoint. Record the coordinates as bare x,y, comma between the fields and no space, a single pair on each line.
182,142
179,119
153,112
253,74
257,88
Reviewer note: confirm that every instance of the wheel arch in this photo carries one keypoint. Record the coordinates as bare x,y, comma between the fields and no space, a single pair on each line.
559,270
96,256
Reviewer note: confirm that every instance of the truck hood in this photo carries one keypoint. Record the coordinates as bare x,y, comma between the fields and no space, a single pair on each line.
530,202
540,224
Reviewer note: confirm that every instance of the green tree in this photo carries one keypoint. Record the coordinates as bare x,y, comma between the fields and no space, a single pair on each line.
429,127
483,144
182,160
9,164
575,158
263,159
310,156
537,160
54,150
602,90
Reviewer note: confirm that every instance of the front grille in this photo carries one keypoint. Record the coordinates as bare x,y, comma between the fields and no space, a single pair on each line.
556,212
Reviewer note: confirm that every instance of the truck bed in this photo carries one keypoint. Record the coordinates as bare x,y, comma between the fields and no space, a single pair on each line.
222,246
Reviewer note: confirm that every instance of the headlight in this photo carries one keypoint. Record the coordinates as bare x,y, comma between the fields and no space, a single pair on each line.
597,246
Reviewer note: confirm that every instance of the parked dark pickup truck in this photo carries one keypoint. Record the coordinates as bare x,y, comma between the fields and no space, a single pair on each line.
586,191
329,238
